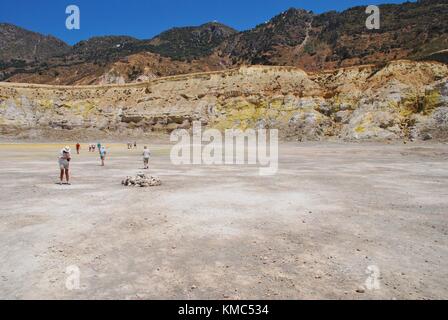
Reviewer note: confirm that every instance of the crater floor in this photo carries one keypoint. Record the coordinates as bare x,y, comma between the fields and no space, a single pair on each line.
332,213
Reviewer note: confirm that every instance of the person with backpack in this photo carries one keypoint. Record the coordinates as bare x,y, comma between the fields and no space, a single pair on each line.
102,155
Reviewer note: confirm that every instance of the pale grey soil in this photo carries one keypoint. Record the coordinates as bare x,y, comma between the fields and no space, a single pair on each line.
310,231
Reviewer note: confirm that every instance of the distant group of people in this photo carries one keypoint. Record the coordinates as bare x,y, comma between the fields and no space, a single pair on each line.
65,158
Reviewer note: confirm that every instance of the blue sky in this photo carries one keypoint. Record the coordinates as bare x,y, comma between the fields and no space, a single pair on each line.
146,18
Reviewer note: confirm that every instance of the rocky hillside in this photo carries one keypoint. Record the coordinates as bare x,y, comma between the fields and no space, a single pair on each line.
313,42
95,61
332,39
259,45
19,46
403,100
191,42
104,49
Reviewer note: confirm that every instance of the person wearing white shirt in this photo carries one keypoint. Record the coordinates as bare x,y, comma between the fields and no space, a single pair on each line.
64,164
146,156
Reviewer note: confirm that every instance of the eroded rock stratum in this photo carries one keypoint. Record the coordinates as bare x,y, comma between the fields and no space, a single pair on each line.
402,100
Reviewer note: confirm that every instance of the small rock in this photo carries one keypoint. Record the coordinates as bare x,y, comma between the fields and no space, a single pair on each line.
426,137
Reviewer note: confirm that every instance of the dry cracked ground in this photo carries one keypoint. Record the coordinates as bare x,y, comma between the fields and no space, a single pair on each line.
311,231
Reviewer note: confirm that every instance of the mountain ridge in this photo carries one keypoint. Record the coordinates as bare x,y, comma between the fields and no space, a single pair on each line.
296,37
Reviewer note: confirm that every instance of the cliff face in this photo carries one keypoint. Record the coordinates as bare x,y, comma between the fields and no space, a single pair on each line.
403,100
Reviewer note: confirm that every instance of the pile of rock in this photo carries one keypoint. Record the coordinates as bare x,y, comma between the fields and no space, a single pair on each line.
141,180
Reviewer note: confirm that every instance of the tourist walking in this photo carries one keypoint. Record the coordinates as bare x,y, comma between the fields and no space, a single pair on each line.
146,156
102,155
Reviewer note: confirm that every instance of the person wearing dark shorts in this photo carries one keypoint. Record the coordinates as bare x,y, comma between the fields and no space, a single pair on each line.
102,155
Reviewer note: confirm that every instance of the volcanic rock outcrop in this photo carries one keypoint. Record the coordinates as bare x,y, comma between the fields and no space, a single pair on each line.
402,100
141,180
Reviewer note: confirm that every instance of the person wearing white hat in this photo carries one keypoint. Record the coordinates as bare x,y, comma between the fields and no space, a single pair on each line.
64,164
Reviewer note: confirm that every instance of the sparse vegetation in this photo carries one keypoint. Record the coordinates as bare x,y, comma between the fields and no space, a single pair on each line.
415,30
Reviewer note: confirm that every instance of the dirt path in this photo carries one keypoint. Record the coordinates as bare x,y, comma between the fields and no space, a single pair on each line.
311,231
307,36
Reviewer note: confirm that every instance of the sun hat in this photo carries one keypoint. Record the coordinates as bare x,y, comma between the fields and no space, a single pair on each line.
66,149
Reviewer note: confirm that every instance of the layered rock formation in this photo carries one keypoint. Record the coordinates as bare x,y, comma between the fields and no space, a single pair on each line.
402,100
